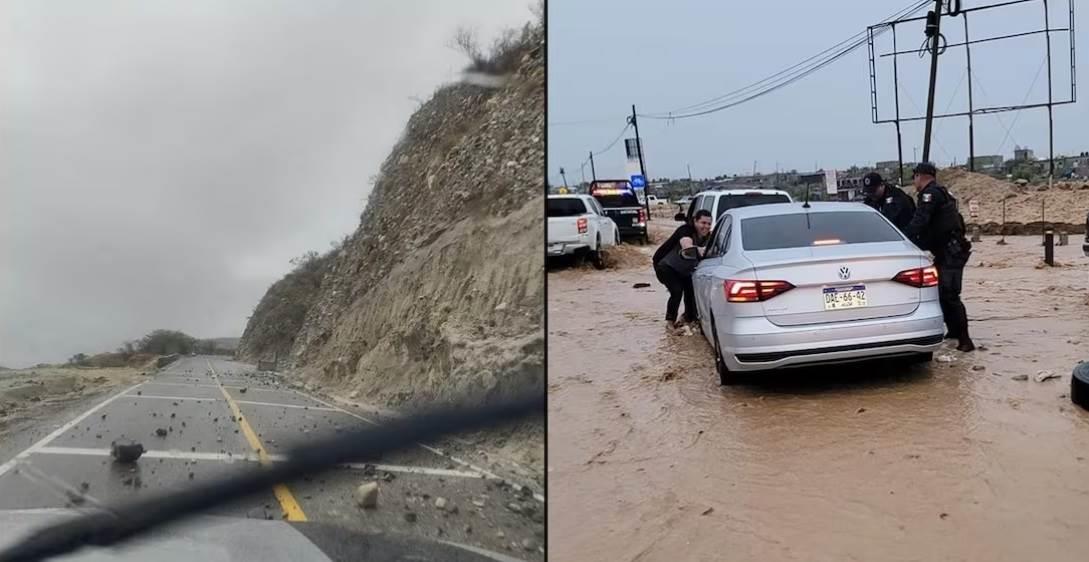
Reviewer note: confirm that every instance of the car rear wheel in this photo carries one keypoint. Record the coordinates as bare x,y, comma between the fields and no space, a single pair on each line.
725,377
597,256
1079,385
922,358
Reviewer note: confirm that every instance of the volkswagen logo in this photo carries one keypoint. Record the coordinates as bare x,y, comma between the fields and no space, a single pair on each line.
844,273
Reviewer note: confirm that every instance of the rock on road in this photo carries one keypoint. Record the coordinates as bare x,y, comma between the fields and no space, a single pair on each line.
186,417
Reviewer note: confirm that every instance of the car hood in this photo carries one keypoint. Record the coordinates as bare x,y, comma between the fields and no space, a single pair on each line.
229,539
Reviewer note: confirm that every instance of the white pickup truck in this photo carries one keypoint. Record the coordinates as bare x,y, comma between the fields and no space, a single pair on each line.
577,225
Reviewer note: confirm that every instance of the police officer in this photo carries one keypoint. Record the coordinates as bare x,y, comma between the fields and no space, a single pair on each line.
938,227
896,205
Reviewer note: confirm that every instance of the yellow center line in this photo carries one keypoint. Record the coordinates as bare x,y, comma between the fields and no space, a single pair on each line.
292,510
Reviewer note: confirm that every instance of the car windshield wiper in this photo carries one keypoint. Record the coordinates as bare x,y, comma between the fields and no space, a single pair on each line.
118,523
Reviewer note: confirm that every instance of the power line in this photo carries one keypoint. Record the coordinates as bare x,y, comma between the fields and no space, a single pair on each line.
583,122
1009,132
619,136
799,70
1017,114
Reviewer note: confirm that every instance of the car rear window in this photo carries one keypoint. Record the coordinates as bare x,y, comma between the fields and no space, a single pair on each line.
800,230
565,207
614,201
727,202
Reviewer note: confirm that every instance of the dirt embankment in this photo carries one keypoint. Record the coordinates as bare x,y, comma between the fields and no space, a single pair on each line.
25,390
439,292
1028,208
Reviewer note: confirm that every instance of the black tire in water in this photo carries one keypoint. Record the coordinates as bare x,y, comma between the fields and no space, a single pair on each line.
922,358
725,377
1079,385
597,256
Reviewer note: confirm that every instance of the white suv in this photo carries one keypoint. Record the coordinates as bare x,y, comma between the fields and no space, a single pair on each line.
718,202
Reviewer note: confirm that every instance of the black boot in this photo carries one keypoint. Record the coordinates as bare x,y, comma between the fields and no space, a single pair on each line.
966,343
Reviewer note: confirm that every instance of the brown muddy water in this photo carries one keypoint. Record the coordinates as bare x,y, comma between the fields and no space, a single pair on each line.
649,459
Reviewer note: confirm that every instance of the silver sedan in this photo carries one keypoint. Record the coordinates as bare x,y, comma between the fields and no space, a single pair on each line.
788,285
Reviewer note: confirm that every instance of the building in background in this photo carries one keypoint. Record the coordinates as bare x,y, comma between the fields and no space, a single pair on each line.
1023,154
987,164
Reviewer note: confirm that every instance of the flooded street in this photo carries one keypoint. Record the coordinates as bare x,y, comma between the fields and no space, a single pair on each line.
650,459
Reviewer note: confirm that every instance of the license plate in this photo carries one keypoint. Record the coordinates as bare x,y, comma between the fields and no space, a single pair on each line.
839,298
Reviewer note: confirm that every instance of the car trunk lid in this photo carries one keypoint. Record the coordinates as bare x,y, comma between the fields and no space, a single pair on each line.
858,269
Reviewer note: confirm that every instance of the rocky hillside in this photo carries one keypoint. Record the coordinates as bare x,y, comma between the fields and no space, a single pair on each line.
439,292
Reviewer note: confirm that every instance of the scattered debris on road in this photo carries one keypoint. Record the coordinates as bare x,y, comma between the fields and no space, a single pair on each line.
366,495
126,450
1045,374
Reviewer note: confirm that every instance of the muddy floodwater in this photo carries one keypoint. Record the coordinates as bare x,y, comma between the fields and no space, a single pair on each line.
649,459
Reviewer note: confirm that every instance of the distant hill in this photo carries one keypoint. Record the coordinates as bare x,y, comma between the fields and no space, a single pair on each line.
229,344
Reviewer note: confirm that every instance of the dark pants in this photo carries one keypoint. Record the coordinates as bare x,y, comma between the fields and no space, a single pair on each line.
680,286
950,279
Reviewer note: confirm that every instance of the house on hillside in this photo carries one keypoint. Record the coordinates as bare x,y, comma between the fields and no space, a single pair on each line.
986,164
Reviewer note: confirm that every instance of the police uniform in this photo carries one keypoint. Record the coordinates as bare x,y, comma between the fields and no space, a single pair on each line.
896,205
938,227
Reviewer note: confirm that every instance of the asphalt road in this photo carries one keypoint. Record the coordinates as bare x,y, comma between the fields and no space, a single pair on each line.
221,416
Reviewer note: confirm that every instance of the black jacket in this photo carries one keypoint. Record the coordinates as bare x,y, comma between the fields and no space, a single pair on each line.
897,206
936,221
673,242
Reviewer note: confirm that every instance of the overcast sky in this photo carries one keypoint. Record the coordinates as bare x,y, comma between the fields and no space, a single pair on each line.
162,161
606,55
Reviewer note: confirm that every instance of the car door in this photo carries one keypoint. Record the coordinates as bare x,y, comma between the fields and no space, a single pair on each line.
693,207
703,279
605,225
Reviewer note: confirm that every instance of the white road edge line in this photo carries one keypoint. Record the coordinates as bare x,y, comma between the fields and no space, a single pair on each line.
490,475
60,430
318,408
187,385
249,457
162,454
466,464
175,398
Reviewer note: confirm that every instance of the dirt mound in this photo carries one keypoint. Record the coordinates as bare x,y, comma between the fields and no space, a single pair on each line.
439,292
24,391
1028,207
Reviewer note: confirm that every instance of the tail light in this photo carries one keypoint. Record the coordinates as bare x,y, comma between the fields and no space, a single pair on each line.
583,226
754,291
920,277
642,216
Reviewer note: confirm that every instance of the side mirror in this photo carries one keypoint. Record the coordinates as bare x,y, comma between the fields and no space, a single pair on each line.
680,217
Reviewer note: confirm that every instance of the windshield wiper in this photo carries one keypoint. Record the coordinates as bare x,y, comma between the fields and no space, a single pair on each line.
118,523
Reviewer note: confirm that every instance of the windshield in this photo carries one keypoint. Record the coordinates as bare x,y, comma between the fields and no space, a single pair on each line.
615,201
727,202
223,287
798,230
566,207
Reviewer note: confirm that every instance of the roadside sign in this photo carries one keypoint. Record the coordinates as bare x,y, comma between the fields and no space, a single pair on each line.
638,181
973,209
830,182
631,147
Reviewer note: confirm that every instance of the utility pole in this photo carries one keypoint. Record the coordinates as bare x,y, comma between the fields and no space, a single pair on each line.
593,172
691,184
933,32
971,109
642,164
